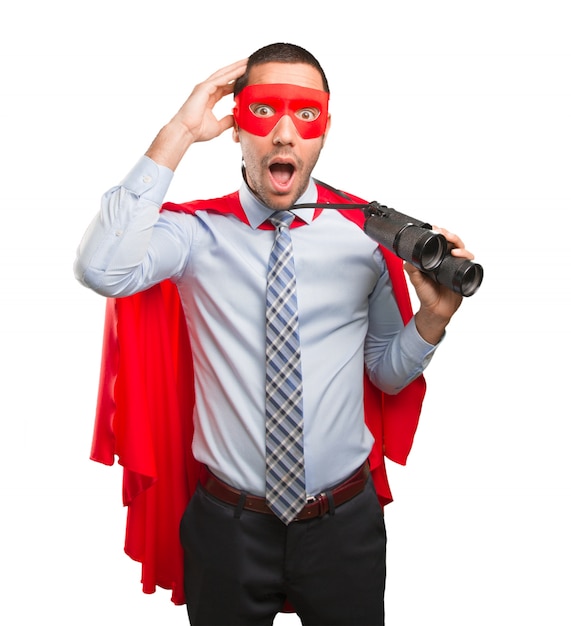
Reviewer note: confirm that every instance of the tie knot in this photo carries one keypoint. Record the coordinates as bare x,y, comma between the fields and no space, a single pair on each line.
281,219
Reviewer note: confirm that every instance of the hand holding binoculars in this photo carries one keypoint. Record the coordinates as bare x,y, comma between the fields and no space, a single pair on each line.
429,251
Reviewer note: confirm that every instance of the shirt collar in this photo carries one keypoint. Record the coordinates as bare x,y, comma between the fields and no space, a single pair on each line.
257,212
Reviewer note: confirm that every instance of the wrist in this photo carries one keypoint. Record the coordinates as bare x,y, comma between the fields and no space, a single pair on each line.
170,145
430,325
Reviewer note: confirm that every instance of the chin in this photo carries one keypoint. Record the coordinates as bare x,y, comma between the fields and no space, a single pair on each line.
282,204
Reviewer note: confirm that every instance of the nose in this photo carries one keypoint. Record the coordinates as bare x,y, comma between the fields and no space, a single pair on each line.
284,131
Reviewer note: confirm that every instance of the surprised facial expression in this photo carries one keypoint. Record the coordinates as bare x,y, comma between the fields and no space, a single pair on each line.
281,123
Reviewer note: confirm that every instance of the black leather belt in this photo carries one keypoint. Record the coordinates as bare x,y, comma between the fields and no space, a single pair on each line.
316,506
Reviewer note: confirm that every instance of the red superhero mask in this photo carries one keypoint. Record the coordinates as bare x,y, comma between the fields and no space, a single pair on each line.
260,107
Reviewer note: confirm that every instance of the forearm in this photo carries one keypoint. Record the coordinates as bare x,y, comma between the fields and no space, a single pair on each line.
394,354
394,362
170,145
430,326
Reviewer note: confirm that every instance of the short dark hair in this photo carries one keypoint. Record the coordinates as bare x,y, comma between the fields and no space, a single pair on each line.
279,53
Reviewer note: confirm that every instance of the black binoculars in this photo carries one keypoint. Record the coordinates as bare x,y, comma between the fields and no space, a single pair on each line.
429,251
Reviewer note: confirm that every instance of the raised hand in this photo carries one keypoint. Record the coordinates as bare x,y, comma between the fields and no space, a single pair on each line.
195,120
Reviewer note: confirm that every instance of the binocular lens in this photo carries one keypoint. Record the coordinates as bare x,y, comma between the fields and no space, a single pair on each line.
426,249
472,279
460,275
422,247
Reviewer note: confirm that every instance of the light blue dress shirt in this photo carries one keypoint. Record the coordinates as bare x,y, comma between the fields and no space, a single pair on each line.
348,319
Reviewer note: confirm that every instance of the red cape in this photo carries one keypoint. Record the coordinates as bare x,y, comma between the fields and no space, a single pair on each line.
145,404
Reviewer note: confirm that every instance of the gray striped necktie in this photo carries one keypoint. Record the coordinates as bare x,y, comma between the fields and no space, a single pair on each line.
285,473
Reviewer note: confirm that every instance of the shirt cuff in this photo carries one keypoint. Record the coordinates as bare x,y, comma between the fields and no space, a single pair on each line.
415,347
148,180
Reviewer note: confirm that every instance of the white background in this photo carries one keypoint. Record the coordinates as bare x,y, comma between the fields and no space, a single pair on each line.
454,112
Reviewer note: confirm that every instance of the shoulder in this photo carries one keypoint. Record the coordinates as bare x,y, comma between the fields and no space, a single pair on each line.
225,204
343,201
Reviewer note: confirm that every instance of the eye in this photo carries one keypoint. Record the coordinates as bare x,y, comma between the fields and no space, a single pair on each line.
262,110
308,114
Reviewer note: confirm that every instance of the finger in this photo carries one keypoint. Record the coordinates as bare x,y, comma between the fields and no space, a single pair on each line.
209,93
221,83
411,270
229,73
462,253
226,122
451,237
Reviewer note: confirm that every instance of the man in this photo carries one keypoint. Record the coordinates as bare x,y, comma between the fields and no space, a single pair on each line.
283,513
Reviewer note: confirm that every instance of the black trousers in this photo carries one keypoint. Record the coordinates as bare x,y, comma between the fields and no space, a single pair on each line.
240,566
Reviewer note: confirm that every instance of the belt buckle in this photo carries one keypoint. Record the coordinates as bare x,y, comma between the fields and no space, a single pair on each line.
321,500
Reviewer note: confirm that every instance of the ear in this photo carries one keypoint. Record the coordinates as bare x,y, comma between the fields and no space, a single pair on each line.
235,133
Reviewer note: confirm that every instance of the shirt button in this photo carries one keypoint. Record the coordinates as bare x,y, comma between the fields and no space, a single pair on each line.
147,179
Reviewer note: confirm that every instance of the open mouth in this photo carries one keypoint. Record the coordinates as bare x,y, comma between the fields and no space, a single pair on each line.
282,173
